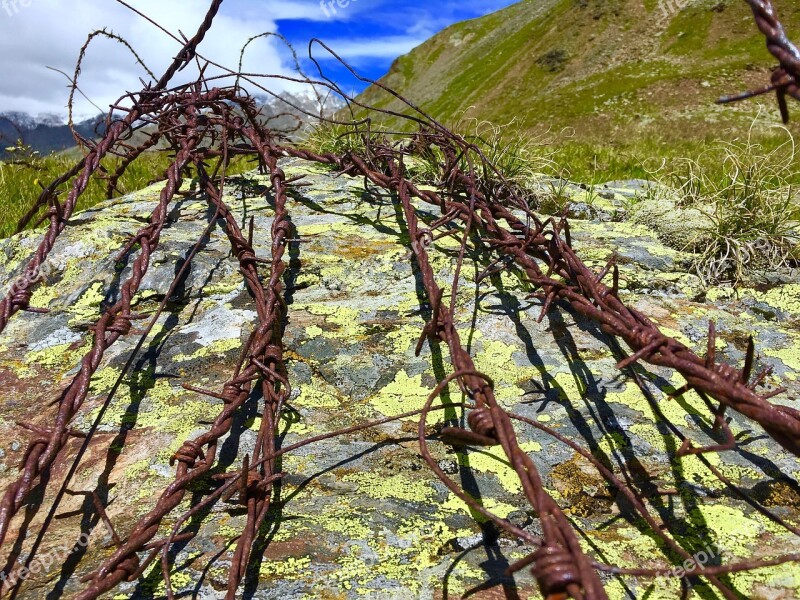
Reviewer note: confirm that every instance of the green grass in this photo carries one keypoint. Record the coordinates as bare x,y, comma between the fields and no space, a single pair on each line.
22,179
653,158
340,138
748,193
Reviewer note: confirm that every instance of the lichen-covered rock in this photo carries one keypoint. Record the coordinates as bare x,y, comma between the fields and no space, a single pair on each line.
361,516
679,227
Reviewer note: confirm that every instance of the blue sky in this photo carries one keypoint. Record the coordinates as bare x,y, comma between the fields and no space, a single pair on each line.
372,33
39,37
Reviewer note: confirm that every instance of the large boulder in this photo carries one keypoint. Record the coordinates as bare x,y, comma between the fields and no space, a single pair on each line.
361,515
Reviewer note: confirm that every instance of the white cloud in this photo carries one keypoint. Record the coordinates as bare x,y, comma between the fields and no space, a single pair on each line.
356,50
35,34
51,32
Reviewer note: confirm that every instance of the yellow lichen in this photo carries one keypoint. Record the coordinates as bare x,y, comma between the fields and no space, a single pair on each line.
217,348
403,394
400,487
318,394
289,567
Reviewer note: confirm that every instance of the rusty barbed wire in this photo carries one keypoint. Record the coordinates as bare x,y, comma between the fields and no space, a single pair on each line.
556,560
113,324
785,79
549,242
19,297
566,569
262,359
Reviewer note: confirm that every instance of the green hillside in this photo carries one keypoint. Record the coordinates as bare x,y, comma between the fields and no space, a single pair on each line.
612,72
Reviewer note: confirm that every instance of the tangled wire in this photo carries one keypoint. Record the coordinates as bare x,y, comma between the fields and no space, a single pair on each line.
211,122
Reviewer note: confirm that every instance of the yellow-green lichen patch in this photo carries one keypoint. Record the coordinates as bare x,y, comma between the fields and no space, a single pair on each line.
405,303
495,360
675,410
103,379
769,582
225,286
218,348
341,321
569,387
790,357
406,564
677,335
178,420
612,442
731,529
179,580
493,460
401,340
399,487
289,568
318,394
313,331
785,298
58,358
43,295
454,504
720,294
343,518
13,253
403,394
87,307
624,546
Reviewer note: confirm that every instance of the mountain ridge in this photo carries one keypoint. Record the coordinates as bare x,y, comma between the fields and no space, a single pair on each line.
603,67
49,133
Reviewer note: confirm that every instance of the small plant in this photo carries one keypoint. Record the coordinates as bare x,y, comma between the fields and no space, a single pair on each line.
752,208
340,138
555,200
21,154
519,159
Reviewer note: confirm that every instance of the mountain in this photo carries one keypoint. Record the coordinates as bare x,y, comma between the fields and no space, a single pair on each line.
44,133
48,133
605,68
293,110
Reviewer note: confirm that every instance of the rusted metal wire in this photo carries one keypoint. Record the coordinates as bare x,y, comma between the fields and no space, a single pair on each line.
262,359
201,123
785,78
115,323
567,569
19,297
549,242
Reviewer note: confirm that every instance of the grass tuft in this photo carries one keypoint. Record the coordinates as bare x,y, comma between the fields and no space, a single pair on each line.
520,159
26,173
340,138
749,197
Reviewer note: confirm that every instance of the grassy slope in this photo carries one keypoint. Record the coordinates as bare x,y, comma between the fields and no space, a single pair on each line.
20,185
624,81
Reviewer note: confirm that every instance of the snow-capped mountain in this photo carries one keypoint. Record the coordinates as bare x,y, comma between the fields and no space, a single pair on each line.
45,133
49,133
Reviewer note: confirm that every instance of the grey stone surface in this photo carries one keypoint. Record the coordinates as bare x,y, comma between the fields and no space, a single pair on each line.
361,515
